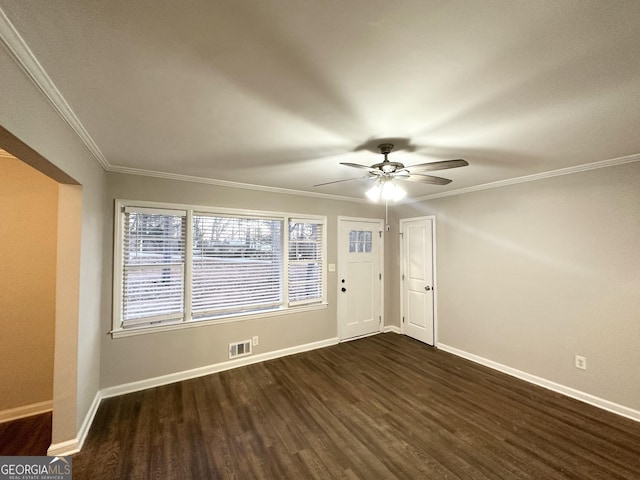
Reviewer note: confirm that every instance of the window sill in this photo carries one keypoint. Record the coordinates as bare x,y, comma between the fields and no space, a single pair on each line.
133,331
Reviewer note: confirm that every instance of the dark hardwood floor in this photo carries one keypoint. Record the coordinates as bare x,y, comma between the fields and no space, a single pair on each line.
383,407
30,436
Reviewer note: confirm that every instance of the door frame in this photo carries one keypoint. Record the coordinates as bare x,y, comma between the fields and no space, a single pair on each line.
435,273
380,223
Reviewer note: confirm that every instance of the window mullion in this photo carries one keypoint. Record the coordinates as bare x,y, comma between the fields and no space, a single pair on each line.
118,295
227,272
188,268
285,260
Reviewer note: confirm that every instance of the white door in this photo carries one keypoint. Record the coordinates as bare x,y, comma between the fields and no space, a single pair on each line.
418,278
359,277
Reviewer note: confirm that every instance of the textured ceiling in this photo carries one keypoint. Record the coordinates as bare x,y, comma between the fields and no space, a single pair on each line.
277,92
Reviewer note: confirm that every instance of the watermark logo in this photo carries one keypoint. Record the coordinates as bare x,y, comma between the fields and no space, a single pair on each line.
35,468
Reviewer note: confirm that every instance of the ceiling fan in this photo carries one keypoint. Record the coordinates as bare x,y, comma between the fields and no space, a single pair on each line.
386,171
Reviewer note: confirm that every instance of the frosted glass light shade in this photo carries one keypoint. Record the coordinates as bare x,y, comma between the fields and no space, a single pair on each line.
388,190
374,193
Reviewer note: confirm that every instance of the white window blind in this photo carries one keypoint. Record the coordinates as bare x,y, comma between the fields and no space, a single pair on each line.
175,265
153,265
237,265
305,269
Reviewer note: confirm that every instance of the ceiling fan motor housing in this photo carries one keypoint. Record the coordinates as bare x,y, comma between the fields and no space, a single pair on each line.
385,148
386,166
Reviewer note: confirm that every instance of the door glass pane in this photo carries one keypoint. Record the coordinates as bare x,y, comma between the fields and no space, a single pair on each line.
360,241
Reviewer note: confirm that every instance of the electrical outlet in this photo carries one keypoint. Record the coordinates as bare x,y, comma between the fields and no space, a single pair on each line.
255,340
581,362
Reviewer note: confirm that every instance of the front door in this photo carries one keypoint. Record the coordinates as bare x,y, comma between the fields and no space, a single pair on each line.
418,278
359,277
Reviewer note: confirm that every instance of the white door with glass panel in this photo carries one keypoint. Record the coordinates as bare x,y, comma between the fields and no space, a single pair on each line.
417,254
359,277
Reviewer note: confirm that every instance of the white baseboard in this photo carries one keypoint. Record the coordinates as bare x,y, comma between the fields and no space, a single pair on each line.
391,329
548,384
63,449
74,445
69,447
209,369
26,411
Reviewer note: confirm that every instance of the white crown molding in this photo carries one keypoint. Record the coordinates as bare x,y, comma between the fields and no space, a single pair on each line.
602,403
227,183
24,57
531,178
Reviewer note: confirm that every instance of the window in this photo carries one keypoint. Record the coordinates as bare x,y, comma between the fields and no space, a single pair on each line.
237,265
305,261
153,253
176,266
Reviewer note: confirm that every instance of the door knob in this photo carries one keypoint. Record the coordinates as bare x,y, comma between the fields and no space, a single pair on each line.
427,288
344,289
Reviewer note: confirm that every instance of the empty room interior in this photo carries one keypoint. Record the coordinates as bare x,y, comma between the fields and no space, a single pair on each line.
293,239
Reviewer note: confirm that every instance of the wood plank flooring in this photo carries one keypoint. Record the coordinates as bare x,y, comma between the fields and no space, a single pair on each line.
383,407
30,436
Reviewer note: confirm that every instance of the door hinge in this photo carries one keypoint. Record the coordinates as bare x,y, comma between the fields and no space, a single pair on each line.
380,233
380,318
402,319
379,276
403,276
401,234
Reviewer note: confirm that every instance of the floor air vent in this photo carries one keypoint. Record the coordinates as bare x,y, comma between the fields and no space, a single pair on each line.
240,349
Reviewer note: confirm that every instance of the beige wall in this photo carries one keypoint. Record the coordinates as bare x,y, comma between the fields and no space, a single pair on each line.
532,274
136,358
27,115
28,229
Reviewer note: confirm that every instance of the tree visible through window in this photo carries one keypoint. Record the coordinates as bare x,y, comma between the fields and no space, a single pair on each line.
235,264
153,267
305,261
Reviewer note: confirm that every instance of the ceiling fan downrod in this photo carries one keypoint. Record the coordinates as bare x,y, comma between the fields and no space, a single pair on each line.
385,149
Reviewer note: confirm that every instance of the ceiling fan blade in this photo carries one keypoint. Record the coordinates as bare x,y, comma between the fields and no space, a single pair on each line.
338,181
421,178
356,165
443,165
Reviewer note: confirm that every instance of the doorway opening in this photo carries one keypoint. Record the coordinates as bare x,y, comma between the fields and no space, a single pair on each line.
41,213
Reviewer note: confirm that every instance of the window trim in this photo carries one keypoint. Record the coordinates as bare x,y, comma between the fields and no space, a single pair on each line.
187,320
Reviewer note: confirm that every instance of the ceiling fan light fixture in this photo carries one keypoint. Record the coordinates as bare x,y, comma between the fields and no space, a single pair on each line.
392,192
374,192
387,190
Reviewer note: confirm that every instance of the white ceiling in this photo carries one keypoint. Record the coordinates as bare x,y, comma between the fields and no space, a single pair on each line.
277,92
